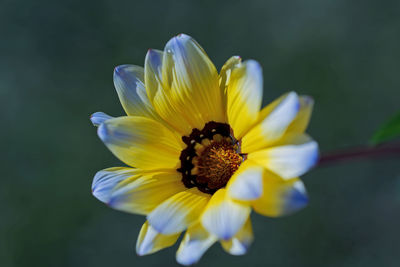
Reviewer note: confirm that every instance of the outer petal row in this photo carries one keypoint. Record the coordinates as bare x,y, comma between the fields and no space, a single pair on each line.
223,218
196,241
194,244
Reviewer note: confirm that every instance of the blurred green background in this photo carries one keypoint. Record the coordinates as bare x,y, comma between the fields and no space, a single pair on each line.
56,64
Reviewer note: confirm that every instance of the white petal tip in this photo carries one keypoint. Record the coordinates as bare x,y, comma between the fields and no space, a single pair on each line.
253,65
104,182
297,198
143,250
120,68
294,161
185,259
145,245
308,100
237,248
98,118
183,36
191,251
247,185
102,132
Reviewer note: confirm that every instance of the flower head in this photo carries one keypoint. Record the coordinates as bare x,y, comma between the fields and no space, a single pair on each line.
201,154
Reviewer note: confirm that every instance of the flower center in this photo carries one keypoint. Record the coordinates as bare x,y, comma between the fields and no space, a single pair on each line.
211,157
217,162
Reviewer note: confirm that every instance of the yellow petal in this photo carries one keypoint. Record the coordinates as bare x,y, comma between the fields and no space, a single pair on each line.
240,243
150,241
223,216
289,160
159,93
141,142
280,197
190,86
302,119
246,183
142,193
178,212
165,104
195,243
274,120
244,96
225,74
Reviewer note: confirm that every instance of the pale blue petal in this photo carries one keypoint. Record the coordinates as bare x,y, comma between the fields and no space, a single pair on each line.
129,83
98,118
105,181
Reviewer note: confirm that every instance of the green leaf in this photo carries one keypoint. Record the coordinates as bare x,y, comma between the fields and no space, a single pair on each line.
388,131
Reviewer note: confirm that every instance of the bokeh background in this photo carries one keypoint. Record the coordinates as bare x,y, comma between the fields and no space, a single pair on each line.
56,64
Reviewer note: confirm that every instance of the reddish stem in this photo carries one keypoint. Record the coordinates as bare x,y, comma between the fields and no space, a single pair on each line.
359,153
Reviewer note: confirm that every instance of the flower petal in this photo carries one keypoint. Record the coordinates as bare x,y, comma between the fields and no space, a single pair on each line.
159,67
240,243
150,241
225,74
142,193
244,96
246,183
300,123
98,118
128,81
195,242
274,121
153,72
280,197
223,216
178,212
288,161
141,142
106,180
190,84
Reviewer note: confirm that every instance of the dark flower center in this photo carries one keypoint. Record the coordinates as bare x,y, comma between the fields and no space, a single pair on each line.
211,157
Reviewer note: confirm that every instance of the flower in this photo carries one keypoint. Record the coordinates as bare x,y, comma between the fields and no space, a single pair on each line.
201,153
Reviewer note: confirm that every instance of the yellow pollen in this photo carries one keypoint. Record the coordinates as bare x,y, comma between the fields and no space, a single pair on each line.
217,162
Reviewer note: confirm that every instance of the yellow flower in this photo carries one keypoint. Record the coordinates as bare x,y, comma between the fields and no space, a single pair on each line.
201,153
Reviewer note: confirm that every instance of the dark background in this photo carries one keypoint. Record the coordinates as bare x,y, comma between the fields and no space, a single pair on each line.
56,64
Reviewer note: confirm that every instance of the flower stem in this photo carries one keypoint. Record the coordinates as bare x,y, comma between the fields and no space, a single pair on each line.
360,153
